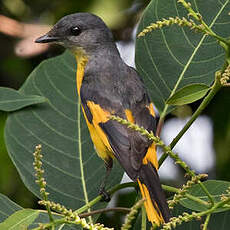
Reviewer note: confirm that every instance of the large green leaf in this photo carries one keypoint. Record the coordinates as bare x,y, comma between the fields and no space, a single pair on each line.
12,100
216,189
9,209
174,57
73,170
20,220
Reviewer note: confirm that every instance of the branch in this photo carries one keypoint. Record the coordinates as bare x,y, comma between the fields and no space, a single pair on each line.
103,210
110,192
205,226
69,218
174,221
182,192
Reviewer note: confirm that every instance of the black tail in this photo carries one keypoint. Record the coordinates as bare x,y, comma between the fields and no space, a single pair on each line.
155,204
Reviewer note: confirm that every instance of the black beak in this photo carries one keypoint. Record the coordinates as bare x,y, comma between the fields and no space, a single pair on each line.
46,39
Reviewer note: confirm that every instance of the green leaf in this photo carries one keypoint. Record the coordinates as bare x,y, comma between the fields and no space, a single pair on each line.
215,187
12,100
20,220
188,94
8,209
220,221
174,57
73,170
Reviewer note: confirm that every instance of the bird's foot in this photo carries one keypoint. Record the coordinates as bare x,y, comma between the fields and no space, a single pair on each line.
105,195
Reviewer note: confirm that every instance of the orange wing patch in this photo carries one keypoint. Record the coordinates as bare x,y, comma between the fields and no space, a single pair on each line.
129,115
153,215
151,156
151,109
99,138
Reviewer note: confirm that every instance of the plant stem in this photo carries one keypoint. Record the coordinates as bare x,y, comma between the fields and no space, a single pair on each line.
195,215
215,88
190,173
159,126
205,102
143,218
162,159
133,184
98,198
170,188
207,192
207,28
51,224
49,213
196,199
103,210
217,85
113,190
205,227
80,151
217,205
189,196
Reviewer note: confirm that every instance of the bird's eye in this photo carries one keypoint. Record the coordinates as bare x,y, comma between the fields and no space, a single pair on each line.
75,30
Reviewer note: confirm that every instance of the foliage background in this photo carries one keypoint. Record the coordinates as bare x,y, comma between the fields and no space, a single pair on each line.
121,17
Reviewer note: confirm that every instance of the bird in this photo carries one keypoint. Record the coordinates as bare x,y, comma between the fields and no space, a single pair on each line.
107,86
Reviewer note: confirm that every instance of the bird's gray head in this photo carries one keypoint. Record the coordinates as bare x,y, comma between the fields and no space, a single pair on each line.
79,31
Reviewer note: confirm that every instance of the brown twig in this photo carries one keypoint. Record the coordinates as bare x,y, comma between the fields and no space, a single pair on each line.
159,127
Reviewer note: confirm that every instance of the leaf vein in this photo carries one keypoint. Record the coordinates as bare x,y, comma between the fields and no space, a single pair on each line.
58,90
43,142
52,106
52,129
